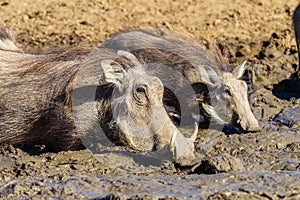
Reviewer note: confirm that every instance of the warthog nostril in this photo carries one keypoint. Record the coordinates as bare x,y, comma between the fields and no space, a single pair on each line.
248,126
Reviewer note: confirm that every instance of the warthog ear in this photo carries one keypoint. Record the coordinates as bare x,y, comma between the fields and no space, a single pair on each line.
239,71
113,72
129,56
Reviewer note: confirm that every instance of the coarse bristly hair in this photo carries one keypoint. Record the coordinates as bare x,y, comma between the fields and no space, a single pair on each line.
34,91
183,52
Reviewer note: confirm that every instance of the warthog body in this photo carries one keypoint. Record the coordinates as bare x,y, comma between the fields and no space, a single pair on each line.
36,93
221,94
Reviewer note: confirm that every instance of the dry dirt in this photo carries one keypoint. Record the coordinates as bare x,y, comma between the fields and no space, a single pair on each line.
263,165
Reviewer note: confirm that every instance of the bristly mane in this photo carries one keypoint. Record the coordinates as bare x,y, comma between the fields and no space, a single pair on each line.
213,49
56,55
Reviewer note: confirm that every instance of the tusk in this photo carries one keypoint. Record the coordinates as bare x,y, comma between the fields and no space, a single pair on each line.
239,71
172,144
182,146
243,65
210,110
195,132
129,140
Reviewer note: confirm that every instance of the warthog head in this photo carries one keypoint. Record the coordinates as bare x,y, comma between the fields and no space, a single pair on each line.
230,101
138,110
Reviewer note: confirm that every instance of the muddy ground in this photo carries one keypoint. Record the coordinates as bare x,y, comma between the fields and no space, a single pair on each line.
263,165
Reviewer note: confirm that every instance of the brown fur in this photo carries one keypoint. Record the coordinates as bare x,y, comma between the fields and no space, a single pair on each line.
33,97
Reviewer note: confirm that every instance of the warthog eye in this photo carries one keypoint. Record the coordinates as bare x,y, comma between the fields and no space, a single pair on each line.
141,89
140,94
227,90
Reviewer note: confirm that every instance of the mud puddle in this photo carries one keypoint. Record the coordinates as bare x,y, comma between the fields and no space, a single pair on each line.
234,185
264,165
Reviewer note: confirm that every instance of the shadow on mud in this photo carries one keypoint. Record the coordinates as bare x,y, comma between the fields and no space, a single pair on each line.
288,88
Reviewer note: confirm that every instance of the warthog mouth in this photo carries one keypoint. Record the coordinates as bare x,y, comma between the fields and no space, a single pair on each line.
242,126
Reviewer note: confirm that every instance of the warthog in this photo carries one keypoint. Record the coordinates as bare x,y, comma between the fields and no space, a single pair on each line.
36,101
222,96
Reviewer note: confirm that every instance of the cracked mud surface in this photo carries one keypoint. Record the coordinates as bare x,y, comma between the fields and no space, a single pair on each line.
262,165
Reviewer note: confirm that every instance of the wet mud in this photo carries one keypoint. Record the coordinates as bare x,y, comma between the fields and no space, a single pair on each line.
260,165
